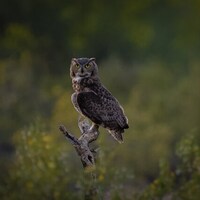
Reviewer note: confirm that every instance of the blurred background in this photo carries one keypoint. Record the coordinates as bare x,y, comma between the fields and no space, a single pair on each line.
148,57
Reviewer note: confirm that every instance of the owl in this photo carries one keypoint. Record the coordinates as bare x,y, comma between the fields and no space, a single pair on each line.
93,101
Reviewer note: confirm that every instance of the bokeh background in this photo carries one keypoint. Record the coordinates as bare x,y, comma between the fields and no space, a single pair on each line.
148,57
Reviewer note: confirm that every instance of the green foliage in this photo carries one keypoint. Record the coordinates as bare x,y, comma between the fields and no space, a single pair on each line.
18,39
42,168
157,119
183,181
162,186
148,57
46,167
188,172
160,108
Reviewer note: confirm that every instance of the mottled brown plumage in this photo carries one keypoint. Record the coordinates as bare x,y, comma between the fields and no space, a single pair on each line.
92,100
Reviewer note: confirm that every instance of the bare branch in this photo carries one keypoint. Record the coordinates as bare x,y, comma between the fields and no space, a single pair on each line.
73,140
88,134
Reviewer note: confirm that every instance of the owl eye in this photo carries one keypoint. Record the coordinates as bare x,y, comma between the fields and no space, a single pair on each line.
77,66
87,66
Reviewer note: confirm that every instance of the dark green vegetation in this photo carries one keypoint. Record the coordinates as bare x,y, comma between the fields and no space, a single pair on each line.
148,53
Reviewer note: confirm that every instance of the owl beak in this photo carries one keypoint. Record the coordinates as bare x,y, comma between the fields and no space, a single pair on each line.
82,70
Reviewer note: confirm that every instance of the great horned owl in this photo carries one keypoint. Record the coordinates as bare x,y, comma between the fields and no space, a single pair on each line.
92,100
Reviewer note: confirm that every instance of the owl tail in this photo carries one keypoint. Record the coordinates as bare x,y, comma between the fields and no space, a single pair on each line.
117,134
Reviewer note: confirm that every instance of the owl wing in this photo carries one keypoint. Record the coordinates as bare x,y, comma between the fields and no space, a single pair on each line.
104,110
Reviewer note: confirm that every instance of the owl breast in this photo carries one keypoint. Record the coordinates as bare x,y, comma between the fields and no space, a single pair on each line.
82,84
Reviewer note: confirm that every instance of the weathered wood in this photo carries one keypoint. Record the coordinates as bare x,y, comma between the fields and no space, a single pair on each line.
88,134
87,154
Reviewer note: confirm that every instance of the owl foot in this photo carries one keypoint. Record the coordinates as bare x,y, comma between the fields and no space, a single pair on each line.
83,124
94,127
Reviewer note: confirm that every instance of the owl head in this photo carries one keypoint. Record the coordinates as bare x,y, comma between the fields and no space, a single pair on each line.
83,68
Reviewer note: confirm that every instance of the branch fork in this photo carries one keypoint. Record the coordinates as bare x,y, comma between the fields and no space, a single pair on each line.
89,133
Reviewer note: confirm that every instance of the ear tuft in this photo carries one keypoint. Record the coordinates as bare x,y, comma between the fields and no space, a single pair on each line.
73,59
92,59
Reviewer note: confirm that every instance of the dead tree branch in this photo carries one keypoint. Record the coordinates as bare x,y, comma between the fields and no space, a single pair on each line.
88,134
86,153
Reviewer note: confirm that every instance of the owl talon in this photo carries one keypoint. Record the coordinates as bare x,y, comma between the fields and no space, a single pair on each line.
94,128
83,124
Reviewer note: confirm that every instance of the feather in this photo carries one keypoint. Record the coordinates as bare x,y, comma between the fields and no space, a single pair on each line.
92,100
117,135
103,111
